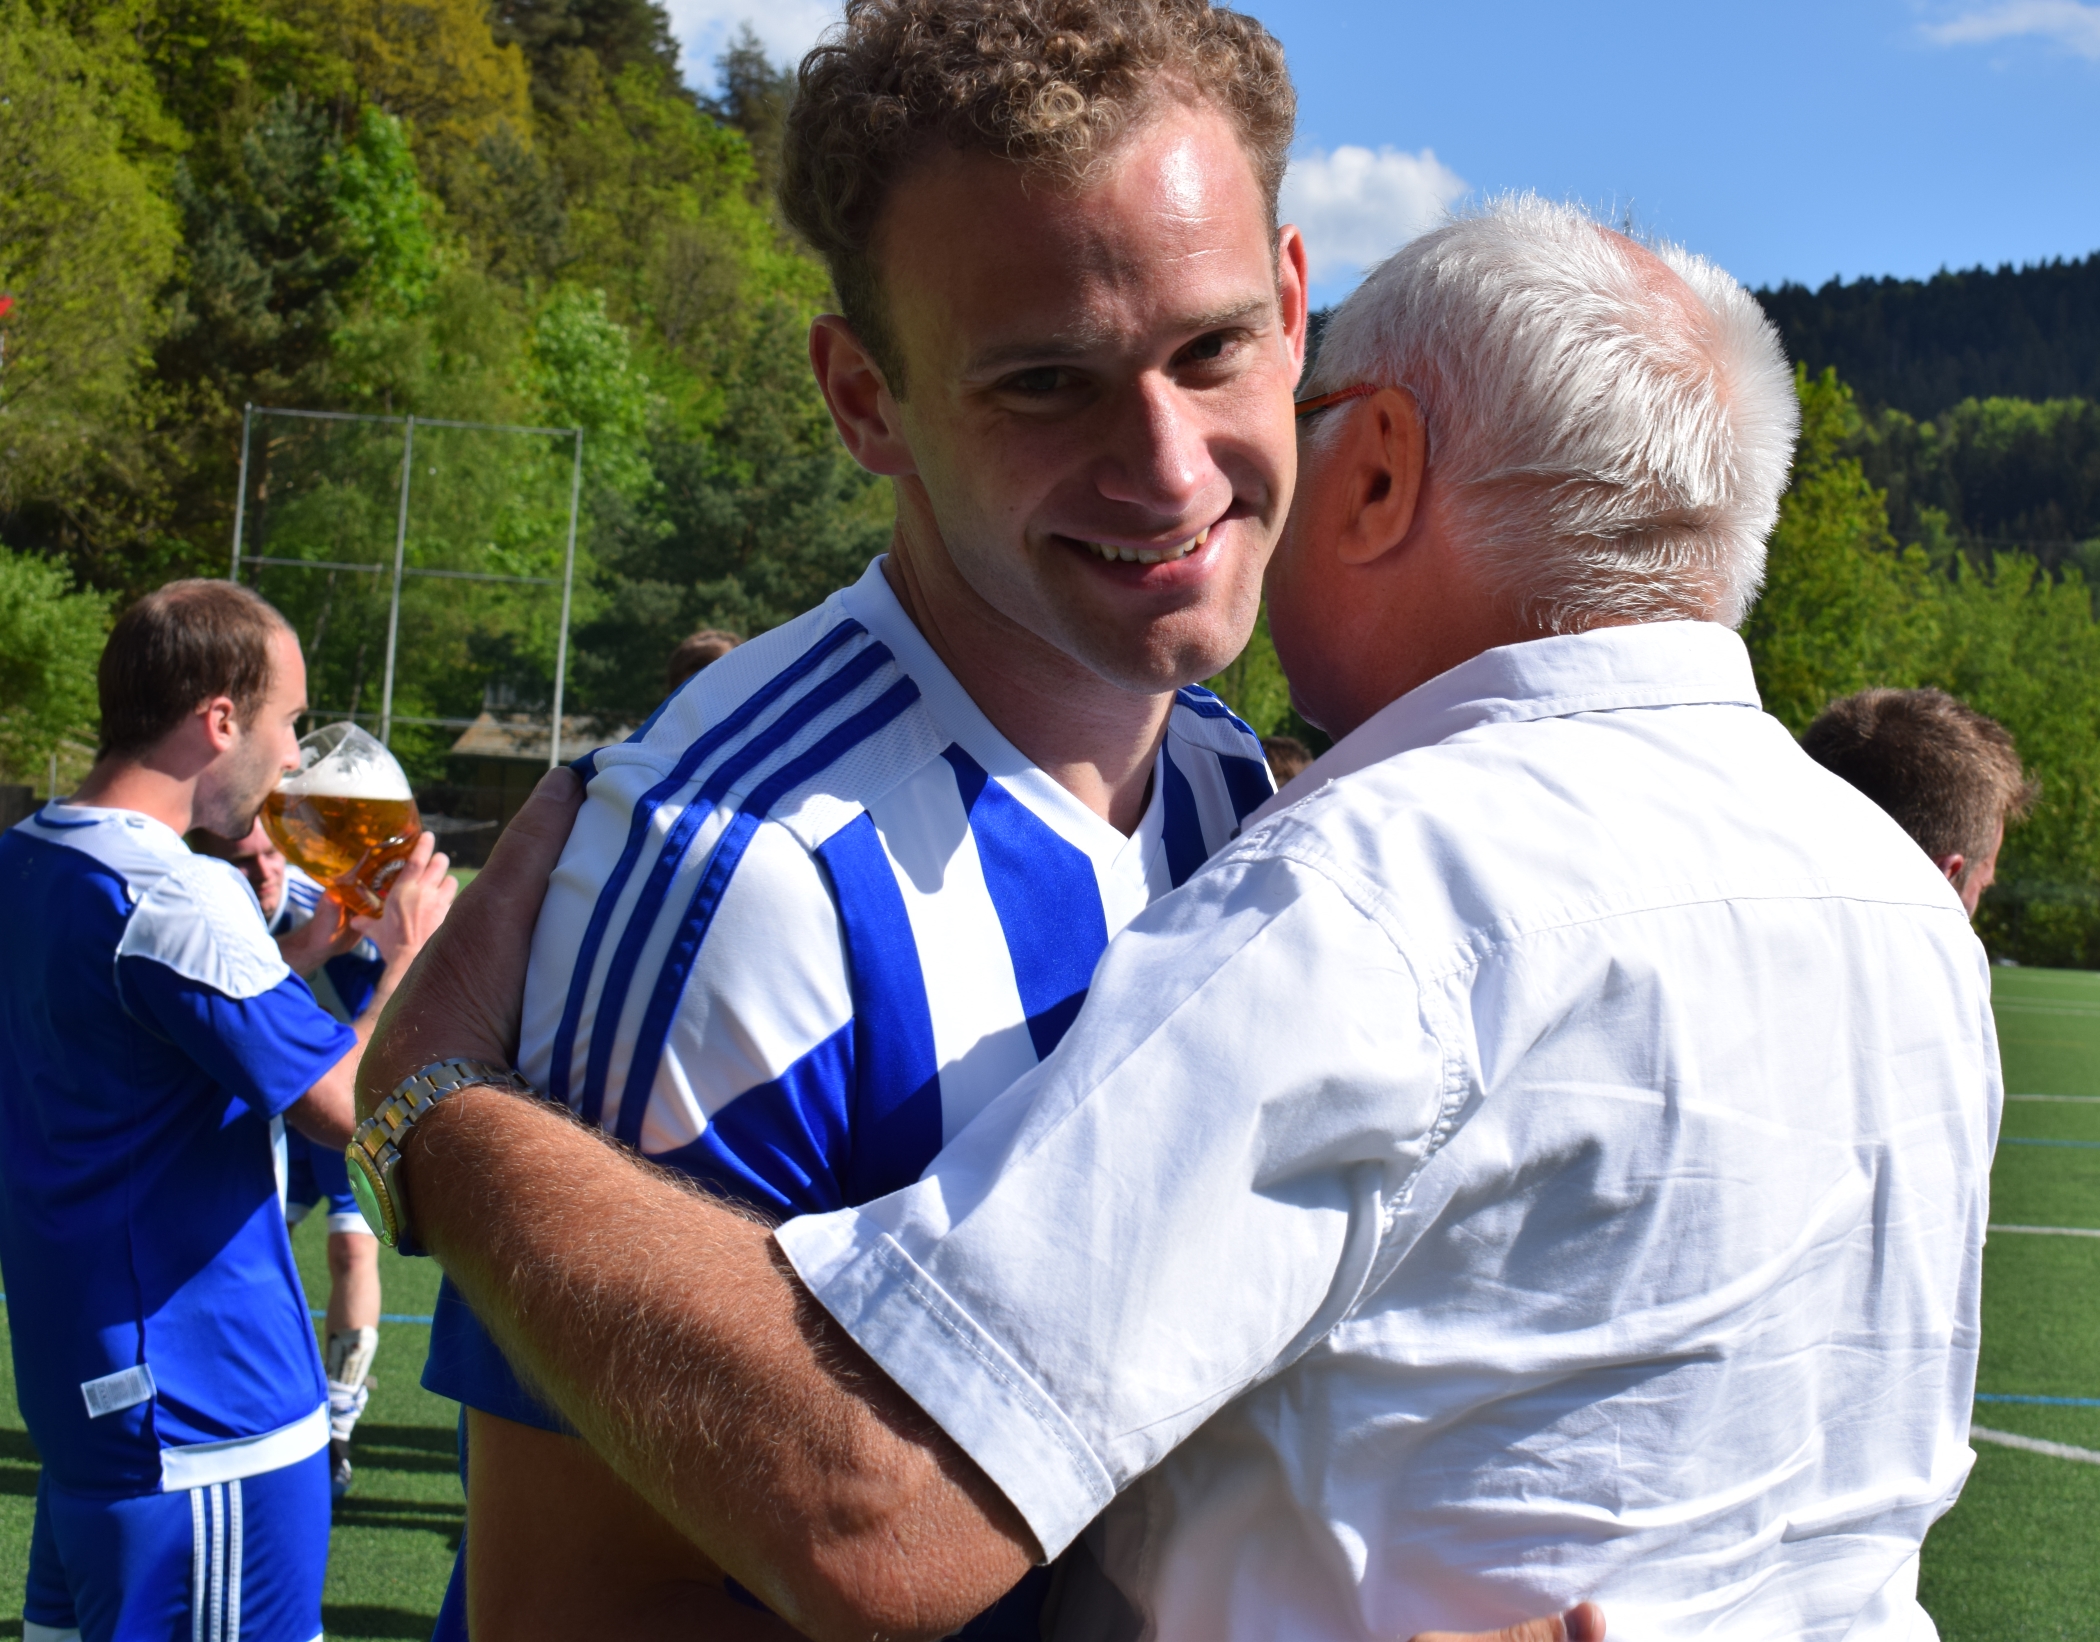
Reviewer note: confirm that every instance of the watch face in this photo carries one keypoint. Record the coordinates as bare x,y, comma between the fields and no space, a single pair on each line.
371,1195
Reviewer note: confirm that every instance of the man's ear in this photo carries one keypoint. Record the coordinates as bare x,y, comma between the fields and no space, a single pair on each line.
1384,452
1292,283
220,722
1951,865
862,406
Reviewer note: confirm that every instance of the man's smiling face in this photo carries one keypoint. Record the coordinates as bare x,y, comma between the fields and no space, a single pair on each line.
1098,391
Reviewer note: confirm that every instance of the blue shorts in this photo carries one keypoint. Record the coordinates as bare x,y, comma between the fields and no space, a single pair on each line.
238,1559
316,1175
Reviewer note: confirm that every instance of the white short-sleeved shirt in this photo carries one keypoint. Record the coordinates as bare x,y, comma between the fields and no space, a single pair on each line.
1547,1161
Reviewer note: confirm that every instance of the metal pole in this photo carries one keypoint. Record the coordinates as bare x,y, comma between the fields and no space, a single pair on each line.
568,579
240,499
393,612
54,776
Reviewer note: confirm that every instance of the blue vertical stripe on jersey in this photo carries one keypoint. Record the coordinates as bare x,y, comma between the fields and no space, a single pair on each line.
737,761
778,1146
1047,898
896,1118
1247,782
638,833
656,888
1186,850
714,883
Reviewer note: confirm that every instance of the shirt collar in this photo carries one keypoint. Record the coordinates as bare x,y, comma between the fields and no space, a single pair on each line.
147,832
1603,670
873,603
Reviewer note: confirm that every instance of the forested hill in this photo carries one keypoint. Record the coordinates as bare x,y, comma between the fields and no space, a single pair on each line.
486,211
1919,346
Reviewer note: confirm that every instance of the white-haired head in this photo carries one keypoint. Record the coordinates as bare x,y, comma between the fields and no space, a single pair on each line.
1610,426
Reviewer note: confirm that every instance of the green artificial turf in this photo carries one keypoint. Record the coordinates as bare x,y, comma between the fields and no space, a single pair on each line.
2018,1559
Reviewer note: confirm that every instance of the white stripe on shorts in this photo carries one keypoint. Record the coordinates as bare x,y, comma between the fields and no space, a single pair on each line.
198,1548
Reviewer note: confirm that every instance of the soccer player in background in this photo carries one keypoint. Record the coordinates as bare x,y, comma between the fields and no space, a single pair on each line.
150,1030
337,958
1945,774
698,650
853,879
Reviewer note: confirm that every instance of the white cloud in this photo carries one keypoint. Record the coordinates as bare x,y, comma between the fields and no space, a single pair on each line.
2067,22
705,27
1356,207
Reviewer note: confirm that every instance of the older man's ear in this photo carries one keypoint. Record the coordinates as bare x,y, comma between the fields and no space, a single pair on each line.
1377,474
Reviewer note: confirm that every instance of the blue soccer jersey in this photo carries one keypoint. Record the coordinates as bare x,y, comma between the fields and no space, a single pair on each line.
818,912
149,1032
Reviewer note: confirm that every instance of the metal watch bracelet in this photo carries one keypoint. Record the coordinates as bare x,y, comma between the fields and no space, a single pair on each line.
373,1156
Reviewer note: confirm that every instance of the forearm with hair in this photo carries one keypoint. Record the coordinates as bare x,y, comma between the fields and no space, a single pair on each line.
327,1112
667,1327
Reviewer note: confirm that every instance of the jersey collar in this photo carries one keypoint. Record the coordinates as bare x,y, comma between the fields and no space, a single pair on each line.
1606,669
874,604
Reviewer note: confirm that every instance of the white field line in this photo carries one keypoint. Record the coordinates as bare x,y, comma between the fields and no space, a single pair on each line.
2034,1445
2049,1231
2069,1100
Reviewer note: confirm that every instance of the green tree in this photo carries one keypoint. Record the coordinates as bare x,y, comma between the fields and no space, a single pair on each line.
86,245
2022,646
50,640
753,96
752,521
1842,606
434,64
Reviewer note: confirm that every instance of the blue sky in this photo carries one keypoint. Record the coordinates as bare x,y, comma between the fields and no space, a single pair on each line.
1786,140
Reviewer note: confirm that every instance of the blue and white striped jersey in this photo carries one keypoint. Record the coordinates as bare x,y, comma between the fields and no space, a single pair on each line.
818,912
344,985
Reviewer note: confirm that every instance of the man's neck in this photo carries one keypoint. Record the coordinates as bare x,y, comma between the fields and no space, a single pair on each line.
135,784
1096,741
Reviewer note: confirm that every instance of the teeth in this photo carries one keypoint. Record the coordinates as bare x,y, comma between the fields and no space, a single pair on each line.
1140,555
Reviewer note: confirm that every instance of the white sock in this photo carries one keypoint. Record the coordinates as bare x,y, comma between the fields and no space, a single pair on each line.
349,1360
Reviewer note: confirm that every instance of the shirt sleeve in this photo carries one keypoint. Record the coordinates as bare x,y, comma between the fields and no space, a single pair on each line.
1182,1199
197,966
267,1050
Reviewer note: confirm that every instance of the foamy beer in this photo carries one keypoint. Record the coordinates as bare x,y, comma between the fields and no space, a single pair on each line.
346,816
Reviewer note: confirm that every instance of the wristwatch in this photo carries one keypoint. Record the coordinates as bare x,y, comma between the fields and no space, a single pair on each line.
374,1153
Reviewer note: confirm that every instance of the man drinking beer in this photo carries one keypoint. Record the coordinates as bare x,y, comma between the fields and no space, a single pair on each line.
149,1032
332,953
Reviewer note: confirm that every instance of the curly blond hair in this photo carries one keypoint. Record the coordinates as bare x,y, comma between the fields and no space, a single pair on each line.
1050,85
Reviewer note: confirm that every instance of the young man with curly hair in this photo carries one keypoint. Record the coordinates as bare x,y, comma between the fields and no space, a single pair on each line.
854,877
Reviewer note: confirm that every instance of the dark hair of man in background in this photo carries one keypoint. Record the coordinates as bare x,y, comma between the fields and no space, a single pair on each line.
1047,84
1949,776
1287,755
185,643
708,645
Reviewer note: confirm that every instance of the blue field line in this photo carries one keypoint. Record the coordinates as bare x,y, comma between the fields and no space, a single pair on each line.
2019,1140
2053,1402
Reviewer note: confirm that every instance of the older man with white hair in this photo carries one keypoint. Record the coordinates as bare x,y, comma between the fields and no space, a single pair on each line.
1544,1158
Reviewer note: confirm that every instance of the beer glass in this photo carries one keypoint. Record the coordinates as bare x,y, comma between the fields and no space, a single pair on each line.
346,816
